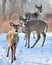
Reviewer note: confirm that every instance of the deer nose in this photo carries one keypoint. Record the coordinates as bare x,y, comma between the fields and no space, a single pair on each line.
16,31
40,11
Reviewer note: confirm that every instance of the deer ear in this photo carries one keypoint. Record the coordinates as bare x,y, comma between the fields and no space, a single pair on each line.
21,18
11,24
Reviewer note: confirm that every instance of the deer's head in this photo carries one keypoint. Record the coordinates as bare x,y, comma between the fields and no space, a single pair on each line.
24,20
15,27
39,8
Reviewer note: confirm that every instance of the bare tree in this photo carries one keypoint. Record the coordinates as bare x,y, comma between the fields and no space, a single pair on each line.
3,6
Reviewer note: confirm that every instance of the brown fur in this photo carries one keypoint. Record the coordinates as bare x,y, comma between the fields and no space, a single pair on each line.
12,41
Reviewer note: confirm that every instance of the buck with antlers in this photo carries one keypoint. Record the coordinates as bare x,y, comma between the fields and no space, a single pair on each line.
34,25
12,40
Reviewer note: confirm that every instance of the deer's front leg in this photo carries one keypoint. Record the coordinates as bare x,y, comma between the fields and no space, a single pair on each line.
8,52
38,37
28,39
12,54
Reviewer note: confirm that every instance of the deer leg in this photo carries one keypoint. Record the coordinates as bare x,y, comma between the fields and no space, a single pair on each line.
8,52
44,35
36,40
26,43
28,39
25,37
12,54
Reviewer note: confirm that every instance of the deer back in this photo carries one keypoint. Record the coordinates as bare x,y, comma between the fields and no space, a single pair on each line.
35,25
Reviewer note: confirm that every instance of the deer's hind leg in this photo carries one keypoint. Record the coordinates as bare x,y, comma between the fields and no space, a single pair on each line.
44,35
38,37
29,40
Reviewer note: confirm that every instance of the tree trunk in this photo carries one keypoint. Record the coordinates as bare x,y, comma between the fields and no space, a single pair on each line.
3,7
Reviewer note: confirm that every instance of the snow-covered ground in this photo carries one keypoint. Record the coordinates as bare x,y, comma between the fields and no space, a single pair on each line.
27,56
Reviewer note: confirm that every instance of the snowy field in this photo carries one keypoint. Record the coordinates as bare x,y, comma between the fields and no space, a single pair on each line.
32,56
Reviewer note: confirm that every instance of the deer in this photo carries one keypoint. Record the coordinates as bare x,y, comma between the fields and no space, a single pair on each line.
35,15
12,41
39,26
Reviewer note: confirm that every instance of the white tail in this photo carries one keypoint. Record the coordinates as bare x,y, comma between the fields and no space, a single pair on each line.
34,25
12,40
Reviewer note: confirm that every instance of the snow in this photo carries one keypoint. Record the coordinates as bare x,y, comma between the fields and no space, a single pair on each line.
27,56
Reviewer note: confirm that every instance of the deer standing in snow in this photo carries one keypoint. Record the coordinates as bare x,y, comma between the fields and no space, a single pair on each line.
12,40
34,25
35,15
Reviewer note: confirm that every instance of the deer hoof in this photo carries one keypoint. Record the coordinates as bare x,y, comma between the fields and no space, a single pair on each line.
6,55
14,58
11,61
25,45
42,45
32,47
28,47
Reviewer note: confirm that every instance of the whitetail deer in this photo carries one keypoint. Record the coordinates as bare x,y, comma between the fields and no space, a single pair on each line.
34,25
36,14
12,40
